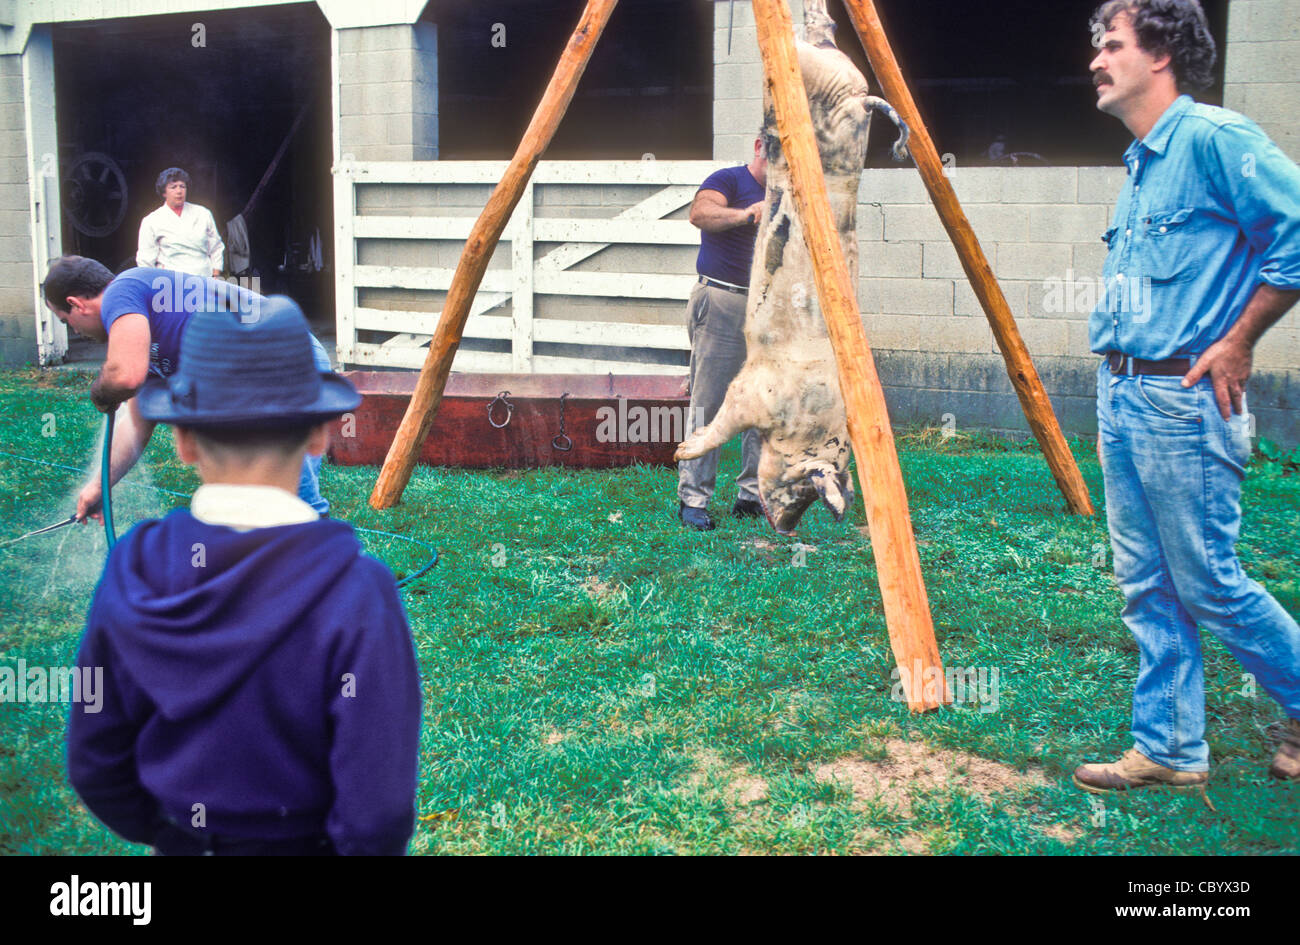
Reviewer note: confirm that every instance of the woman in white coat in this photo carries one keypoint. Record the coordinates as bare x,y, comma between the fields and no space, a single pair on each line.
179,235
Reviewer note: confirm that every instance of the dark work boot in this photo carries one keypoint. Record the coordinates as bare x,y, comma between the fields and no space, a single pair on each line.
698,519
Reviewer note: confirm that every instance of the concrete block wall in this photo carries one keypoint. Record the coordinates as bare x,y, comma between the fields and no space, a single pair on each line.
1263,65
1041,230
738,79
388,92
1262,81
17,321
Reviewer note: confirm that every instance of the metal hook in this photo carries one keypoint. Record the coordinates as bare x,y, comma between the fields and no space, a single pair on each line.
510,409
562,437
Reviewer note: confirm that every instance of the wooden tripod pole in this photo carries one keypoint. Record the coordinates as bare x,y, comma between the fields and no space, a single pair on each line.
902,589
1020,366
483,239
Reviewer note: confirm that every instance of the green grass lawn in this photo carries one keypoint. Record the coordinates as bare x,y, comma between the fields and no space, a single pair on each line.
598,680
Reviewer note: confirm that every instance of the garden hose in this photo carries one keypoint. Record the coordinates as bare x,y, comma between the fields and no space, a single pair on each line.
106,479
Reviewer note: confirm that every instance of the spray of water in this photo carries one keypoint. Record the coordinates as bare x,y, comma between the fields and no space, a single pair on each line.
69,562
61,569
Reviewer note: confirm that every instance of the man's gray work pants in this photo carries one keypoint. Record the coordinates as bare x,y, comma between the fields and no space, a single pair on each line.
716,323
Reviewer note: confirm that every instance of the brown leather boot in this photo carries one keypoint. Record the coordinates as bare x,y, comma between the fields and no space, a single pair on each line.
1286,763
1135,770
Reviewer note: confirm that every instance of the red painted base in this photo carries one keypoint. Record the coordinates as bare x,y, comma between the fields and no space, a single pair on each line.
610,420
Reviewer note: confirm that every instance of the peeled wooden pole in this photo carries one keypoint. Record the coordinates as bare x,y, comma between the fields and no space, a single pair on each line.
474,258
902,589
1020,366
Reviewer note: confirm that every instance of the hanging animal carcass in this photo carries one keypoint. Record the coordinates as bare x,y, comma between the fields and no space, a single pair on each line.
788,388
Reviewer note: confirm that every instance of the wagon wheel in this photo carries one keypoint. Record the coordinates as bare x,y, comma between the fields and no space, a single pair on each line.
94,194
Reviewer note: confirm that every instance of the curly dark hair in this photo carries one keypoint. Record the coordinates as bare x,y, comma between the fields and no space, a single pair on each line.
74,276
169,175
1176,27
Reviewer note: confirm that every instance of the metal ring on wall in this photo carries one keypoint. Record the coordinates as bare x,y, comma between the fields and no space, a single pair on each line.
510,409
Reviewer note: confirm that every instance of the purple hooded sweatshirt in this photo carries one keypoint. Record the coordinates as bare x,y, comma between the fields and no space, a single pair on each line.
267,675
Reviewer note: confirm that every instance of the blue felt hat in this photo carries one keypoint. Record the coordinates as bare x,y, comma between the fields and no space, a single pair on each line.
256,371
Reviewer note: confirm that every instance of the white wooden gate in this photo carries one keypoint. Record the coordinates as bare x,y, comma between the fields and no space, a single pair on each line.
43,198
578,208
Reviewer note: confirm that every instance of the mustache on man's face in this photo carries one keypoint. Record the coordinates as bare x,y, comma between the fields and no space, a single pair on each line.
1099,77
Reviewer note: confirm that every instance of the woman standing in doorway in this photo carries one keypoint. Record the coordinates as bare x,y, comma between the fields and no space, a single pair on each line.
179,235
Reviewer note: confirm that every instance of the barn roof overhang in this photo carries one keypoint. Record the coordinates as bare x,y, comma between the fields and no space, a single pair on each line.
17,17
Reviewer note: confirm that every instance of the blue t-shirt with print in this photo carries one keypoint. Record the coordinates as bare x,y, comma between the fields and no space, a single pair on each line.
727,255
168,299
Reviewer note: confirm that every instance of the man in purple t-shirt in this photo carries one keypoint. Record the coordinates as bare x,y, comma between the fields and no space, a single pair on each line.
142,314
726,209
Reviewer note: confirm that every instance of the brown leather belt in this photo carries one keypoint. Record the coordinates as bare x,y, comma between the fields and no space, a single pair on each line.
705,280
1170,367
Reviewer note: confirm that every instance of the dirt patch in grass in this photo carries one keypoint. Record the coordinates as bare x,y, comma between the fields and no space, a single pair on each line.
909,769
767,544
1060,832
602,592
912,766
739,786
914,845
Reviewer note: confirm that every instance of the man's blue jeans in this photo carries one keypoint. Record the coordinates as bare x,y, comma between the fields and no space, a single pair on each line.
1173,469
309,483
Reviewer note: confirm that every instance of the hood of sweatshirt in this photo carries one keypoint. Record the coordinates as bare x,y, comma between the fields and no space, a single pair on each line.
192,608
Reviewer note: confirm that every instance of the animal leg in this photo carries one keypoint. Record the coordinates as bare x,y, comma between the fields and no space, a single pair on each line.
818,26
734,416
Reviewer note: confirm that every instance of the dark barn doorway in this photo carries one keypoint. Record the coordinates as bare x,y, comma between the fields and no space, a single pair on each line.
647,90
216,93
1006,84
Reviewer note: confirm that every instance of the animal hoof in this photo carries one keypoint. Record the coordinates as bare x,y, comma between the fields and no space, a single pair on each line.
686,450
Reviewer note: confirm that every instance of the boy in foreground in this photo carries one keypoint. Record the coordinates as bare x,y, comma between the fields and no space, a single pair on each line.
261,691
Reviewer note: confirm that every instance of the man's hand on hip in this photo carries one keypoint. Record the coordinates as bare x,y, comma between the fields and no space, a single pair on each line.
1228,363
1228,360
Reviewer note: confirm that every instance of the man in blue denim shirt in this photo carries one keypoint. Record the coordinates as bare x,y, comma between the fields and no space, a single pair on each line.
1204,258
